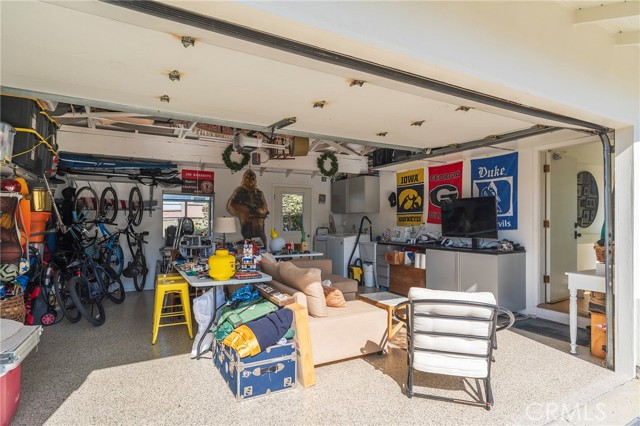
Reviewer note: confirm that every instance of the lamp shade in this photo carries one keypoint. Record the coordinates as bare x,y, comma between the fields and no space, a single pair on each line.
224,225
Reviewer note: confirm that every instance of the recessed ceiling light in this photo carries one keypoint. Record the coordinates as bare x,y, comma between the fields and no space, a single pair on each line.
463,108
174,75
417,123
319,104
165,98
188,41
382,134
358,83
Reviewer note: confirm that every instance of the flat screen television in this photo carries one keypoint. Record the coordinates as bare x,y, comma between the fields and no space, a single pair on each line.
474,218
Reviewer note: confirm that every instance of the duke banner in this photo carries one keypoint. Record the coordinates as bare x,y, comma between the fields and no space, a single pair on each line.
445,183
410,197
498,176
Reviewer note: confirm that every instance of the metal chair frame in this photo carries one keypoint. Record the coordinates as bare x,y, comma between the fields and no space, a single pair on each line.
411,315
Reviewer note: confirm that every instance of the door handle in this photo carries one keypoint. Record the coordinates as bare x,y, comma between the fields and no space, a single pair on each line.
576,235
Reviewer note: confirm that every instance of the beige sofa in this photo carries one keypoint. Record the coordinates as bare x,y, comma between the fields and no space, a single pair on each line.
347,286
336,333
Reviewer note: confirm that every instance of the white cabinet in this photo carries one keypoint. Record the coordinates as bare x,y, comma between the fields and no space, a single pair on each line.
502,274
442,270
357,195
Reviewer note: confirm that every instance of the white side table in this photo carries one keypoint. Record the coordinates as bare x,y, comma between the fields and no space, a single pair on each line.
581,280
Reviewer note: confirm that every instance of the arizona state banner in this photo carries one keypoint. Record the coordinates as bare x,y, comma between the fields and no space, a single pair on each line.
410,197
445,183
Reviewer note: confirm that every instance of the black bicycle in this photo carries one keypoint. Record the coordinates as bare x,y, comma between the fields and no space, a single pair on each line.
137,267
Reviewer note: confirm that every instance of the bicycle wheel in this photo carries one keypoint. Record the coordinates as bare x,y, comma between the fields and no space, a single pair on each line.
85,206
111,283
109,205
86,298
65,303
135,206
141,277
113,256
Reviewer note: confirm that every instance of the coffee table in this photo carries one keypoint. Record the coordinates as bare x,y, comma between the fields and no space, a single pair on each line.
387,301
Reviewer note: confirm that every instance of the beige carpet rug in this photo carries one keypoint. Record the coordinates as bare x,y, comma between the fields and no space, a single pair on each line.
532,384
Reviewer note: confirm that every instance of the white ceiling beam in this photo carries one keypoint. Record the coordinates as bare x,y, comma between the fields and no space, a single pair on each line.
103,114
367,149
341,149
607,12
630,38
314,145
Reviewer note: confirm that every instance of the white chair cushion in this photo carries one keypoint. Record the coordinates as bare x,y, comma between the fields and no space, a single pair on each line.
456,365
451,365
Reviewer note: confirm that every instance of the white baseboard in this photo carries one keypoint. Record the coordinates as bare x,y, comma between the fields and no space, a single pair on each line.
557,317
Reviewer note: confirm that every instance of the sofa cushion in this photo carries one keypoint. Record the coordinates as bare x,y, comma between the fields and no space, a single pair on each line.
324,265
345,285
355,330
271,268
308,282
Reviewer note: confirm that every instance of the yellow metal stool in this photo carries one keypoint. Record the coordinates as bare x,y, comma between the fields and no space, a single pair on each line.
171,284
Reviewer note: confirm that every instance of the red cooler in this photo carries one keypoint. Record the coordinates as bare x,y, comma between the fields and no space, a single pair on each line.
16,341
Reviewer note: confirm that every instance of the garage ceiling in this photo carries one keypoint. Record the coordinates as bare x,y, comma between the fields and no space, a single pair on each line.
97,54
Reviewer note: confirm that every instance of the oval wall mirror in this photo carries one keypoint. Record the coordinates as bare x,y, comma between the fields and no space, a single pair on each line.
587,199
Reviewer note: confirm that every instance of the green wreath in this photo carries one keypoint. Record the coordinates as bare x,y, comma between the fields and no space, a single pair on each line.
334,164
233,165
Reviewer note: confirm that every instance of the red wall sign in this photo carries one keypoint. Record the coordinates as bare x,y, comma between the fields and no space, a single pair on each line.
197,182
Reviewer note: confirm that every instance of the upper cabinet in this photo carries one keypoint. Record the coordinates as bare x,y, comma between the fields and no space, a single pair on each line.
357,195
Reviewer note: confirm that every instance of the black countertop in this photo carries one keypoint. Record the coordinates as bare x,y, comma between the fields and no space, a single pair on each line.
437,246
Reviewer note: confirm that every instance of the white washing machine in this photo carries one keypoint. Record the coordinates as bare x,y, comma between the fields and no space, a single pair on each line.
339,247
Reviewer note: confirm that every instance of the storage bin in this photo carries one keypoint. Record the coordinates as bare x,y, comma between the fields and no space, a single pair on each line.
32,125
272,370
16,342
7,134
598,335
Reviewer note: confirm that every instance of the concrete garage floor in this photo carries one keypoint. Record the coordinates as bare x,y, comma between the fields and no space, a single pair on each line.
112,374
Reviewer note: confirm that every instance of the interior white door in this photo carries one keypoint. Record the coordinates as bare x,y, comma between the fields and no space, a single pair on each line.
292,212
562,213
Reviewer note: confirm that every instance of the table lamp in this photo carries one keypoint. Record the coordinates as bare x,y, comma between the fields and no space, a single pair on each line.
224,225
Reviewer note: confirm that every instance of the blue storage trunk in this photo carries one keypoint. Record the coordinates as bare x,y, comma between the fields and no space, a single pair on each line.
272,370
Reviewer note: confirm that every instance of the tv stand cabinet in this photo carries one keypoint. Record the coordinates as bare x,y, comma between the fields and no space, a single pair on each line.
501,273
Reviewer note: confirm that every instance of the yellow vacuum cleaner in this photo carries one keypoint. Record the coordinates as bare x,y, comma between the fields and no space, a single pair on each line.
355,271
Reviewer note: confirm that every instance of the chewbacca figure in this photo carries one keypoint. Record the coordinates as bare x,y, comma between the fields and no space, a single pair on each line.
248,203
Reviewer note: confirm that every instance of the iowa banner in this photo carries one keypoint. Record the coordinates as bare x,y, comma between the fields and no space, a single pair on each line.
410,197
445,183
498,176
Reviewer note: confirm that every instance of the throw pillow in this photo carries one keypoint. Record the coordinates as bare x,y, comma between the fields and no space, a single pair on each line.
334,297
271,268
308,282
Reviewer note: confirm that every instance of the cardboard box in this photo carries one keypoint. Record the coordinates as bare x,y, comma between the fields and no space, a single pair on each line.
598,334
394,258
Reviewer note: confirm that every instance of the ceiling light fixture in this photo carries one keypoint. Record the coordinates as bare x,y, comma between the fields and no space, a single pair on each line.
382,134
417,123
319,104
463,108
174,75
165,98
283,123
188,41
358,83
